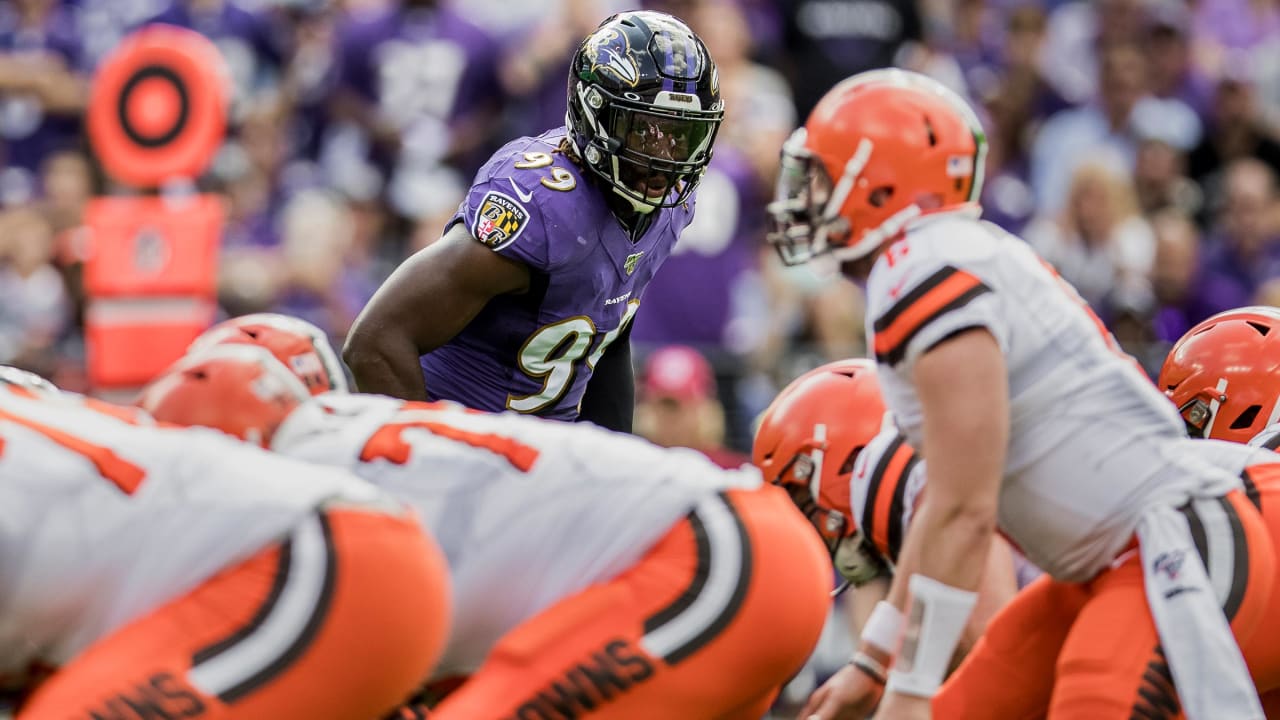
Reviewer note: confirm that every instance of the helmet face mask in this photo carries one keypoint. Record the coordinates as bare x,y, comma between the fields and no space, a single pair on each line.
832,527
802,214
644,108
1196,414
810,439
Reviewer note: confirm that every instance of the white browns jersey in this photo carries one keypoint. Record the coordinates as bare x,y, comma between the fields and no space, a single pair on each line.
101,520
1269,438
884,488
527,511
1092,442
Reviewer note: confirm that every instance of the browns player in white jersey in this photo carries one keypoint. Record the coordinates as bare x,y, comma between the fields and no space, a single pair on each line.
594,574
1033,423
1223,375
828,438
172,572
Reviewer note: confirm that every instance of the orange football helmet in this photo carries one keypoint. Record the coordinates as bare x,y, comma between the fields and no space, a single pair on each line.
301,346
1224,374
242,390
810,436
879,149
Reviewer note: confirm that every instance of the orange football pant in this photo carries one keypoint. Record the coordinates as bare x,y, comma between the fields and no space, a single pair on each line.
709,623
1089,651
341,620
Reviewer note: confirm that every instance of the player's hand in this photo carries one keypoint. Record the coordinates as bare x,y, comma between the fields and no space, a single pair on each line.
850,694
897,706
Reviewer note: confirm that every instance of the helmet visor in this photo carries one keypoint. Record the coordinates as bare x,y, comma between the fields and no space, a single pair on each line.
670,139
662,150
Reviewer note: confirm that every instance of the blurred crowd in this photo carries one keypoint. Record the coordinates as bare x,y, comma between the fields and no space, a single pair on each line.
1133,143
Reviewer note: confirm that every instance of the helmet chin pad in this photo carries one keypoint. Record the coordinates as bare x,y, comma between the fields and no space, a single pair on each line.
642,208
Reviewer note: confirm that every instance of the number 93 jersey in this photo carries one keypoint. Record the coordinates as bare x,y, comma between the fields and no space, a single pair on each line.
102,521
1092,442
534,353
527,511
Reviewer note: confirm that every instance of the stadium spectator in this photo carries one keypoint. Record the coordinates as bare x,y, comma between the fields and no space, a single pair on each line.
419,96
308,78
759,108
1073,135
43,90
1173,275
1165,130
34,304
1242,250
678,405
1077,36
1099,243
325,281
533,65
1235,130
707,293
825,41
66,183
1167,43
815,317
1224,25
1016,98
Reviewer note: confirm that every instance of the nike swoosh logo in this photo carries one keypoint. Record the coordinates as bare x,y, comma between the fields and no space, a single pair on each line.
524,196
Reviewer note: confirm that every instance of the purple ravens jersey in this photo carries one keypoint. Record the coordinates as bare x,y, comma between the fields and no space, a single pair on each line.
534,353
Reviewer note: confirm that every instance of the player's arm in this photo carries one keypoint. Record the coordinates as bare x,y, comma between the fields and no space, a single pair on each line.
610,398
962,385
428,300
999,585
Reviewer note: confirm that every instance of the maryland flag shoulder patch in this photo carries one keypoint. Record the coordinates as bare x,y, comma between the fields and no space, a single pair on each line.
500,220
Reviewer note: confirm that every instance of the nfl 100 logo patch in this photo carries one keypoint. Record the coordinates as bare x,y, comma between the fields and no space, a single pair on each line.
500,220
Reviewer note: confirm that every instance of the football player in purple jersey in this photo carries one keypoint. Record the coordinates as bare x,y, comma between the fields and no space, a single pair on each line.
525,303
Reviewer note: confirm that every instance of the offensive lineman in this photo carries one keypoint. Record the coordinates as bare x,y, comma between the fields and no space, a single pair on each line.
594,574
166,572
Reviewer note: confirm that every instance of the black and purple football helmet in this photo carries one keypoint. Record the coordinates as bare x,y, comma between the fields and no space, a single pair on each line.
644,107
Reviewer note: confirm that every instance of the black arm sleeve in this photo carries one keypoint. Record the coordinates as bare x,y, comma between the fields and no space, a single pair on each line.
610,398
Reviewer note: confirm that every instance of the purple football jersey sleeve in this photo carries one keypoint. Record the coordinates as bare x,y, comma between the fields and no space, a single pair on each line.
500,209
